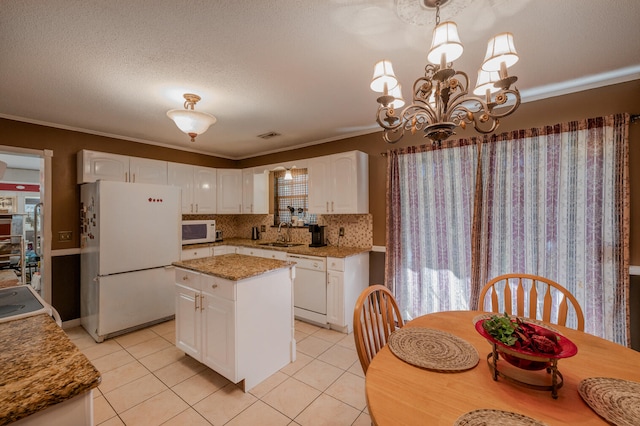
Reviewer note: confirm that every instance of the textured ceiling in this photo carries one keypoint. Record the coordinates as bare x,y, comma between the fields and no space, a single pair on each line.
297,67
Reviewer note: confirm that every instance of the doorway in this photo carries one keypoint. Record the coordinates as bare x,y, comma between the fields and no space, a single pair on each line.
25,200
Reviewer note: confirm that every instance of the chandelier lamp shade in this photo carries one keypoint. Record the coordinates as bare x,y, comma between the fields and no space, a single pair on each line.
189,121
441,99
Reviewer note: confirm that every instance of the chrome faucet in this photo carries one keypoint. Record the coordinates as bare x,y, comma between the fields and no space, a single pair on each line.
287,238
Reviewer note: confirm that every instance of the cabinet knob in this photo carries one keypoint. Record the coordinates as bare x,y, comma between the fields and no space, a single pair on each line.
185,278
214,286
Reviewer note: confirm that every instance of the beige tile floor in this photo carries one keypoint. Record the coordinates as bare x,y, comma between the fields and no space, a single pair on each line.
147,381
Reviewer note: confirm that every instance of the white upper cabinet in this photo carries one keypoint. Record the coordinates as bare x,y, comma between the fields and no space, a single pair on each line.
255,192
93,166
339,183
198,187
229,200
145,170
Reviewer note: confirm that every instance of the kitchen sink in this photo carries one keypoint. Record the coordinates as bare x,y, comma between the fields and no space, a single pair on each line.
277,244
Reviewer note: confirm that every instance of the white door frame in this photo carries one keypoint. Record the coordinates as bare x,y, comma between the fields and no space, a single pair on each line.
45,190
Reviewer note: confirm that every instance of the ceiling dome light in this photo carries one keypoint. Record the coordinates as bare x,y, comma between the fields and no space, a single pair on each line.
191,122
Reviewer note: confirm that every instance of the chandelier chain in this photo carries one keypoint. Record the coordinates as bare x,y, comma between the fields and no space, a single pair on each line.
437,13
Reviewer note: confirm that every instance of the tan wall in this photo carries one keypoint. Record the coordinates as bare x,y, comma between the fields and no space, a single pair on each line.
65,144
618,98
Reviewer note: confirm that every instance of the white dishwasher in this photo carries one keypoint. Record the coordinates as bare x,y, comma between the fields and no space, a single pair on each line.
310,288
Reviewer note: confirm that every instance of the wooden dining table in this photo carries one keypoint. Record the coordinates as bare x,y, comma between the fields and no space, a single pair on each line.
399,393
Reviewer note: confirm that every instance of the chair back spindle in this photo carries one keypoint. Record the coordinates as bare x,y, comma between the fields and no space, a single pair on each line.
375,316
501,299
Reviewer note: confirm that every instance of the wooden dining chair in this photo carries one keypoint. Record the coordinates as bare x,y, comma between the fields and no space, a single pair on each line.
529,290
375,316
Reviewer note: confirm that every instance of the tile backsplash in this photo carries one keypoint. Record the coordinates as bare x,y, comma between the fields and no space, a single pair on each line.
358,228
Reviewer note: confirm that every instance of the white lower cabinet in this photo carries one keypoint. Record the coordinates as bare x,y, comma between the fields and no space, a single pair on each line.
219,332
346,279
188,327
195,253
241,329
218,250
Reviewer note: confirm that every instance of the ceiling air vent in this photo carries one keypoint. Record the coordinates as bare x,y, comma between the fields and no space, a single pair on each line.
269,135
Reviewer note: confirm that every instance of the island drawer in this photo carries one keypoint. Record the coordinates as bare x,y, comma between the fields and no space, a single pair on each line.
219,287
188,278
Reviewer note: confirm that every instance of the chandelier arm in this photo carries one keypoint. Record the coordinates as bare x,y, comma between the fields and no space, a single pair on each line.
393,135
387,119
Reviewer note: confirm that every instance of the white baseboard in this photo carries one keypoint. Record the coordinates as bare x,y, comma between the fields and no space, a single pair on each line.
70,324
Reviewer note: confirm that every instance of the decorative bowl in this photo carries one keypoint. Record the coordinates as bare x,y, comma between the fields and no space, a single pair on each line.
526,358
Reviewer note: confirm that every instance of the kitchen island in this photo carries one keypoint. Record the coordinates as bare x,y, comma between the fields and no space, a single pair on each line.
234,313
44,378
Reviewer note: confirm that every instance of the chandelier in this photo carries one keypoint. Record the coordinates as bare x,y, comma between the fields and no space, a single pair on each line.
441,99
191,122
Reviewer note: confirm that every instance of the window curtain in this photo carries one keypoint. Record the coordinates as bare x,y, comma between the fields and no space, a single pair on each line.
551,201
430,195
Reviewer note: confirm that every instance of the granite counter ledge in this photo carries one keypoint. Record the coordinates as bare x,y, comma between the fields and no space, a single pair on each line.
304,249
39,367
234,267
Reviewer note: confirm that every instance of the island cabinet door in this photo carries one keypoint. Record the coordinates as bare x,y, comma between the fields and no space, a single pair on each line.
188,321
335,298
219,336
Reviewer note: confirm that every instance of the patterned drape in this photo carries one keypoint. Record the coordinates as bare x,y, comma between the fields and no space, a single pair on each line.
429,219
551,201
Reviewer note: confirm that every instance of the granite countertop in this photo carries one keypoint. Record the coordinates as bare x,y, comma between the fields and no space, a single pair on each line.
39,367
326,251
234,267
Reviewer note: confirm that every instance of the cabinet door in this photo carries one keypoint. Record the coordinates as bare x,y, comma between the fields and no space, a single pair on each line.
204,190
319,179
247,191
255,192
145,170
93,166
229,191
182,175
335,298
343,183
261,193
219,335
188,321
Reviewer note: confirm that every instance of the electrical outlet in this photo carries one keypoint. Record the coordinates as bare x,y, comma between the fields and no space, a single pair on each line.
65,235
263,228
341,232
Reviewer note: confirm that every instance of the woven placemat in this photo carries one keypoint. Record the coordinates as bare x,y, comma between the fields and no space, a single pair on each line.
433,349
496,418
616,400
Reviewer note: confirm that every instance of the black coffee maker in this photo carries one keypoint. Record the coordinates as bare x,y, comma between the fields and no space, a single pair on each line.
317,236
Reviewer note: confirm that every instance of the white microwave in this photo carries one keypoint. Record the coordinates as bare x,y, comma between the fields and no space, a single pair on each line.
198,231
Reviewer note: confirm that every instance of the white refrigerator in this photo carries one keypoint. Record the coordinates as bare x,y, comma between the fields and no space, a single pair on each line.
130,235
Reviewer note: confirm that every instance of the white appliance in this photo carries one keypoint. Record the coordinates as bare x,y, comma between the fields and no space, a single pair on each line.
23,301
129,238
310,288
198,231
